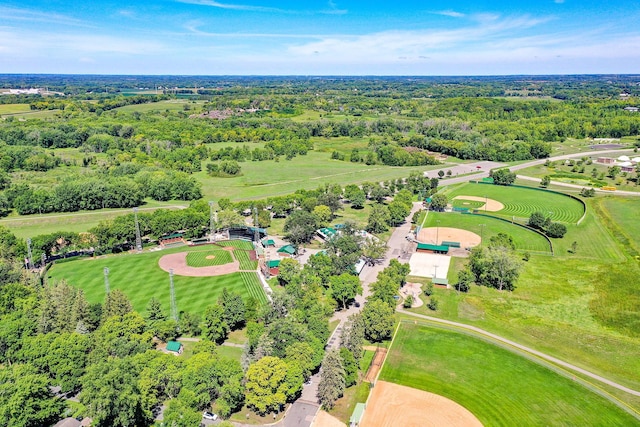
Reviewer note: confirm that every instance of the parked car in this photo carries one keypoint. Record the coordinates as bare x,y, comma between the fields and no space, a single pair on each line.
209,416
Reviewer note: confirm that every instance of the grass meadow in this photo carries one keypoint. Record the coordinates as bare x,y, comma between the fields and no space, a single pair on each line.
522,202
170,105
140,278
495,384
271,178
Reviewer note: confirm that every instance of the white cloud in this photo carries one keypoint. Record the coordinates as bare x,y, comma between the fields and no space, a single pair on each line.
231,6
449,13
15,14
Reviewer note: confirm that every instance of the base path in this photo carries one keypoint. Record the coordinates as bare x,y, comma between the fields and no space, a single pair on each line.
178,262
466,238
392,405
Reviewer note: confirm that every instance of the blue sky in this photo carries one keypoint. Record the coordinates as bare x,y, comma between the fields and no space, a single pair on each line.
264,37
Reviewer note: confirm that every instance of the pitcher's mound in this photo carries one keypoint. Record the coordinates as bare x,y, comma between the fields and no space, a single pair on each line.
392,405
467,239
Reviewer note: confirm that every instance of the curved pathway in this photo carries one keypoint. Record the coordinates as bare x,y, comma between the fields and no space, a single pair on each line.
525,349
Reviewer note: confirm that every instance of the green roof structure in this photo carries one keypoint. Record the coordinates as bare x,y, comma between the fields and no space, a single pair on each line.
288,249
268,242
327,232
273,263
174,346
440,281
435,248
358,412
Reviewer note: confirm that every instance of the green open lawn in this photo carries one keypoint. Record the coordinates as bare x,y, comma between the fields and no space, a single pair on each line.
25,226
524,239
140,277
171,105
14,108
495,384
522,202
208,258
271,178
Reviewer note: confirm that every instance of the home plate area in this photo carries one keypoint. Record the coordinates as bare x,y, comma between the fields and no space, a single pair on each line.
429,265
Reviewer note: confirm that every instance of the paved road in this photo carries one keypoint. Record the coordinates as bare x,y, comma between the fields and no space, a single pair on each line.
524,348
485,173
579,187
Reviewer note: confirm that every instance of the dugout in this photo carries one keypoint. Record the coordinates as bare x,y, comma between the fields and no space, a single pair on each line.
433,249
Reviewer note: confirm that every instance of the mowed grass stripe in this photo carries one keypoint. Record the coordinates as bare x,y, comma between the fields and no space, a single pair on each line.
238,244
201,258
140,278
245,262
254,287
522,202
524,239
496,385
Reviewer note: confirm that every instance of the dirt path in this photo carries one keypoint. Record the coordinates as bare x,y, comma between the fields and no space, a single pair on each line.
392,405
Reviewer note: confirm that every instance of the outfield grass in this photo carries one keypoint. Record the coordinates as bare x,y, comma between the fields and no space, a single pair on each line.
496,385
524,239
140,277
522,202
245,262
208,258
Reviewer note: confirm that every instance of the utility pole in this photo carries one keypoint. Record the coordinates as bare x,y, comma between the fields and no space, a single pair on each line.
174,307
29,259
106,281
138,238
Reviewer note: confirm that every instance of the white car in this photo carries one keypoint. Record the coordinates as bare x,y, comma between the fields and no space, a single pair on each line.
209,416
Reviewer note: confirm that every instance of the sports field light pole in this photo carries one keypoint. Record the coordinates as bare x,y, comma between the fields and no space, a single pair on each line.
106,280
174,307
437,230
211,220
30,255
485,203
481,234
138,238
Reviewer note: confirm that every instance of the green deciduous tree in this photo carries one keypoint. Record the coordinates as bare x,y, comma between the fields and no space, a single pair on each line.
344,288
25,398
214,328
377,317
111,395
270,383
438,202
379,219
233,309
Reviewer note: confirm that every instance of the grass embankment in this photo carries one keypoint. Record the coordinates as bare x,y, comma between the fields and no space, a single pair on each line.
495,384
140,278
